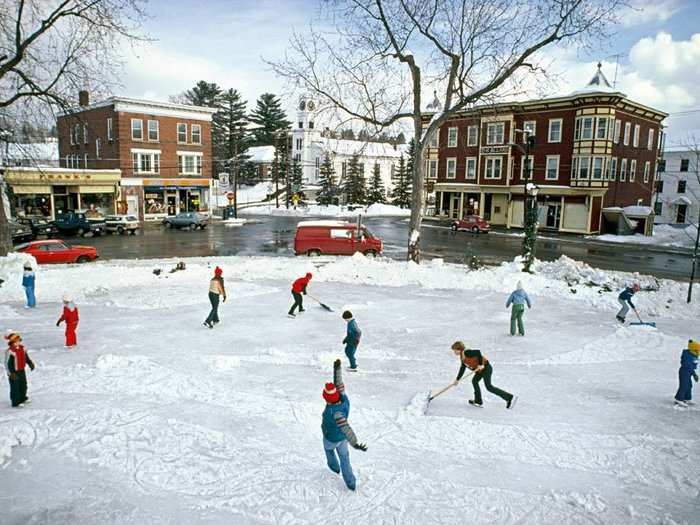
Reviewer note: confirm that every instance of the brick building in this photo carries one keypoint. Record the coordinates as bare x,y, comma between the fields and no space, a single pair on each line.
594,158
163,151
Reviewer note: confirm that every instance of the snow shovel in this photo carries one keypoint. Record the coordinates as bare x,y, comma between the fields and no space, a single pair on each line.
324,306
641,323
432,396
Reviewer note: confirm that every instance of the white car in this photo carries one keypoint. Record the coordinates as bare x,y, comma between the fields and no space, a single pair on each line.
122,224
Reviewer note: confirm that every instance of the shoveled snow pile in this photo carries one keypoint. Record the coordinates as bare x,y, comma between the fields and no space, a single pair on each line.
664,235
249,194
156,419
316,210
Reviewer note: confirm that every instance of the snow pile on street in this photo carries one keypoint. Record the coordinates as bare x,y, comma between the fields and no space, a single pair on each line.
11,270
316,210
154,418
664,235
249,194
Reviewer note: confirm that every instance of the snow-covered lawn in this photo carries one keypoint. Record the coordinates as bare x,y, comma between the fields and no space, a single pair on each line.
664,235
156,419
316,210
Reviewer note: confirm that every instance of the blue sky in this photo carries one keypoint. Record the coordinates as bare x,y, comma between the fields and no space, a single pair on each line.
223,41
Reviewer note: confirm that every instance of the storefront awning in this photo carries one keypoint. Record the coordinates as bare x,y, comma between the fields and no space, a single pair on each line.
107,188
27,190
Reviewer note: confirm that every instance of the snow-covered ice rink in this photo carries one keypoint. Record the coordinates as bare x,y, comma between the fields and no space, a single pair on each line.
157,419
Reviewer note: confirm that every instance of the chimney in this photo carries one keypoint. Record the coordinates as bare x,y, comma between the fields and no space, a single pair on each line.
84,98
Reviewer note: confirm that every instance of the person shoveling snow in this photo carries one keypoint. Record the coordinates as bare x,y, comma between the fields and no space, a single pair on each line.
625,300
474,360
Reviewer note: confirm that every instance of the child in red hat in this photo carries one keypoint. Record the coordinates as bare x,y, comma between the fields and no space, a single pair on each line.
15,362
298,288
336,430
71,318
216,290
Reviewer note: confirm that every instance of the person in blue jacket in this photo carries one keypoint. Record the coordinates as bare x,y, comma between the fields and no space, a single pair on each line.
689,362
518,299
336,429
352,338
625,300
28,279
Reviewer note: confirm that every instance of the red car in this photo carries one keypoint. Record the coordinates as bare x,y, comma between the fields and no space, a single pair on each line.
334,238
57,251
472,223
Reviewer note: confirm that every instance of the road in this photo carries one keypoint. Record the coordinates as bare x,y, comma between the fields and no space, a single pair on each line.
275,236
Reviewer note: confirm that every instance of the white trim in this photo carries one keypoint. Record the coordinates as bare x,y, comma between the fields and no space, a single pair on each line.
597,128
192,126
447,168
456,137
531,159
617,131
503,133
628,132
476,168
500,171
476,135
647,169
623,172
193,153
549,130
633,170
635,135
534,127
650,139
148,130
132,129
110,129
144,150
546,167
177,132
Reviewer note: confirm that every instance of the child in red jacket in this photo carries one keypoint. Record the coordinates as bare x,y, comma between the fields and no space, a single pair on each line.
16,359
70,316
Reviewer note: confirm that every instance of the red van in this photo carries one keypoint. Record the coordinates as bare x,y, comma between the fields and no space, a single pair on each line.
334,238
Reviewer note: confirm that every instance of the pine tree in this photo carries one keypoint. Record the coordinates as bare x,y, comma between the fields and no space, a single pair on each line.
296,179
203,94
229,134
354,184
401,194
280,168
270,118
327,182
375,192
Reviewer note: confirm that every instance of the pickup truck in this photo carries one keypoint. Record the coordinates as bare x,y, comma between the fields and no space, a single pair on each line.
71,223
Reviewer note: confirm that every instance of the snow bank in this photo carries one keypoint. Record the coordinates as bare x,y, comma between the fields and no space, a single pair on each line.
664,235
316,210
11,270
249,194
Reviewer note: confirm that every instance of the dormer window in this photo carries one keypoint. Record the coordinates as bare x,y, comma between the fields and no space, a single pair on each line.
301,125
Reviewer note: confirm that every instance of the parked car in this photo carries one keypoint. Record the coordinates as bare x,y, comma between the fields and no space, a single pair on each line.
57,251
472,223
191,220
39,226
334,238
122,224
72,223
20,232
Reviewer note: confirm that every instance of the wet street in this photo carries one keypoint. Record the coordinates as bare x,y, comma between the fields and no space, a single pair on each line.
275,236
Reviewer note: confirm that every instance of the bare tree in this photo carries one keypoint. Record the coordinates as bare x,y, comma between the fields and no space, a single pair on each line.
382,54
50,49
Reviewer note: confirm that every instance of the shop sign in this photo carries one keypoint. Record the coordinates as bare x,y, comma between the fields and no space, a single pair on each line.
494,150
64,176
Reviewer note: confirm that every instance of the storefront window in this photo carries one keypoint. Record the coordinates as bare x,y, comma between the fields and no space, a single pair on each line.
154,199
33,204
97,204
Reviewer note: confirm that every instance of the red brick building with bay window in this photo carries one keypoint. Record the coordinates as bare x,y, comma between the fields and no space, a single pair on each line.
163,151
595,152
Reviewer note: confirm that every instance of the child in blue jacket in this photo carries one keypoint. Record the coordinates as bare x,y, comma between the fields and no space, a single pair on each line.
28,279
625,300
689,362
518,299
352,338
336,430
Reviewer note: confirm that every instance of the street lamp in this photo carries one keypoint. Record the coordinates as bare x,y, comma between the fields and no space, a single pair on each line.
530,191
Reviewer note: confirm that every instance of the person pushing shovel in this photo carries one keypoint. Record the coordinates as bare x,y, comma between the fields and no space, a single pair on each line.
299,288
625,300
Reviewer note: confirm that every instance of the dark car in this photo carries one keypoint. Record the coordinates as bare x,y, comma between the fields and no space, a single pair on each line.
191,220
20,232
39,226
72,223
472,223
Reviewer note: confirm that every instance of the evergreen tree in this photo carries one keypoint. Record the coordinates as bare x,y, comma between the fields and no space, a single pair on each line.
203,94
296,179
327,182
279,169
348,134
229,135
249,174
354,184
401,194
375,192
270,118
400,138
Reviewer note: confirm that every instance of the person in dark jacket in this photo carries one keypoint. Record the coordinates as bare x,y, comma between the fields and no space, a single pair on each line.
689,362
475,361
625,300
299,288
337,432
352,338
28,280
16,360
216,291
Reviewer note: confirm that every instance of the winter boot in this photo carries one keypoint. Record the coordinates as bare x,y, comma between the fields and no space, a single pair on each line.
475,404
680,403
511,402
620,318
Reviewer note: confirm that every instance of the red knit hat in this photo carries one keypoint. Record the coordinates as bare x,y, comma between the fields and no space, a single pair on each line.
218,271
331,394
12,337
309,275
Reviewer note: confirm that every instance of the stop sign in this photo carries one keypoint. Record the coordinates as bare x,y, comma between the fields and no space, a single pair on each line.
230,195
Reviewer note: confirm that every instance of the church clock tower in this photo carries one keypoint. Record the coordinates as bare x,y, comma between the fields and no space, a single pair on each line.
305,138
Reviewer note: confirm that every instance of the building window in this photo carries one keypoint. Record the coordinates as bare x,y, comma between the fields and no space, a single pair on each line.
552,168
494,166
72,135
633,169
616,137
77,133
110,129
98,148
612,169
145,161
136,129
601,132
189,164
584,128
584,164
85,134
473,136
153,131
597,168
555,130
527,168
299,144
529,127
494,133
470,172
646,171
301,125
661,167
650,139
685,164
196,134
182,133
658,207
626,139
681,186
623,170
451,171
433,143
85,160
635,139
432,169
659,186
311,124
451,137
574,167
